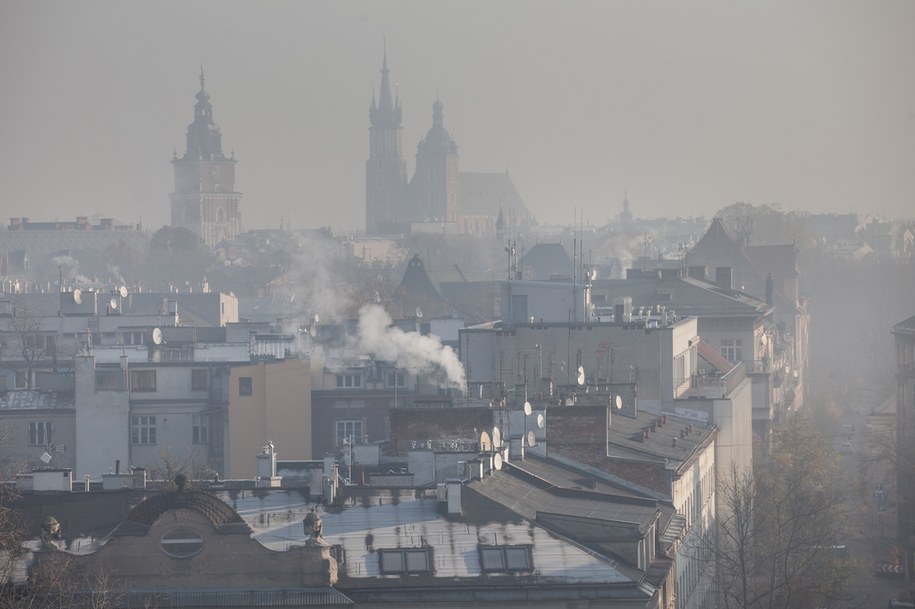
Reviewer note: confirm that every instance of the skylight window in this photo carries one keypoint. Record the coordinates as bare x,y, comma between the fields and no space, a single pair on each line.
503,559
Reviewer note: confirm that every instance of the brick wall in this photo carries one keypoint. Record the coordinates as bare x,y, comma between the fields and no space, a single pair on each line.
409,424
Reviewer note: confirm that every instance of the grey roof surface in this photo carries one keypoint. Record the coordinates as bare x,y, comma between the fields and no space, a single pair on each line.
687,296
528,499
395,519
627,437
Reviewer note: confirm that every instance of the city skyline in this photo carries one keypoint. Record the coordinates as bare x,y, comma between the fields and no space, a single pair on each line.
690,109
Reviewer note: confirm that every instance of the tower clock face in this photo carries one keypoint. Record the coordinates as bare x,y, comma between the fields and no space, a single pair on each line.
214,172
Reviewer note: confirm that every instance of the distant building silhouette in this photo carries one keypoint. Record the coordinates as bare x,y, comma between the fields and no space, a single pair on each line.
438,199
205,201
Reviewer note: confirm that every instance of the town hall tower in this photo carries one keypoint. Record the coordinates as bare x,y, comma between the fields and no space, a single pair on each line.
204,200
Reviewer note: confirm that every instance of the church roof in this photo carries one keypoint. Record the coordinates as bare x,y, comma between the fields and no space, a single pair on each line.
485,194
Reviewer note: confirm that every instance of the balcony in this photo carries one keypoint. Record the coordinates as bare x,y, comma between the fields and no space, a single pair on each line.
712,386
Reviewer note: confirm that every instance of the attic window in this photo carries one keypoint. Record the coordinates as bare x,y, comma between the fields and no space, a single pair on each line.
182,542
404,561
501,559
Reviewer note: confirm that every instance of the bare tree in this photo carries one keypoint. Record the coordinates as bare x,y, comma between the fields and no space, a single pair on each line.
28,341
169,465
776,544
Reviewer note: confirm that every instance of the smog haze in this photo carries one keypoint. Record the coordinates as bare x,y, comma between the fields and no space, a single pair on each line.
689,106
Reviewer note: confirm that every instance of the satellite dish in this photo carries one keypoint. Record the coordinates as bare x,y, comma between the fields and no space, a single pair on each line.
77,296
527,407
618,402
122,291
157,336
531,439
496,438
113,304
419,312
497,461
540,421
45,457
581,375
485,442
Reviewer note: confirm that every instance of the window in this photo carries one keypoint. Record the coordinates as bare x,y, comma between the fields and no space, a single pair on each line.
39,433
244,385
142,380
109,380
199,379
40,344
505,558
338,553
349,380
199,429
143,429
731,349
347,429
396,379
22,379
181,542
133,338
412,560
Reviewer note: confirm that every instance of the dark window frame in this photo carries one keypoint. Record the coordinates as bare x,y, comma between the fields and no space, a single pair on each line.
402,561
507,556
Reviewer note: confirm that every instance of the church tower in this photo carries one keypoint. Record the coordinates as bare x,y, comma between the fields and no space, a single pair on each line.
385,169
204,200
434,187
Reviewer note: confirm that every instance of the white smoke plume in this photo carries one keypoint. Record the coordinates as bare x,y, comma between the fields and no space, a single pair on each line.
410,350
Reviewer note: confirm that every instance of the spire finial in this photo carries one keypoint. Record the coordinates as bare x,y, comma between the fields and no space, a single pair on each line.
384,43
203,77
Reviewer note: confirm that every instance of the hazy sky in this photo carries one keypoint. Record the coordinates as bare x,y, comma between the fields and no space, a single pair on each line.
690,106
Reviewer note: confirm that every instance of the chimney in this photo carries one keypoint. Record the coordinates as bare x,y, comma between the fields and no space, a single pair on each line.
724,277
453,491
